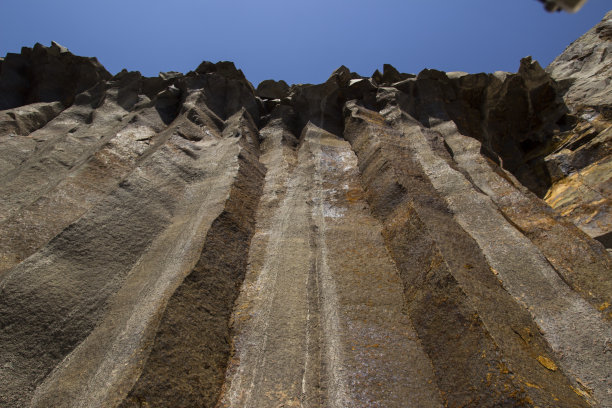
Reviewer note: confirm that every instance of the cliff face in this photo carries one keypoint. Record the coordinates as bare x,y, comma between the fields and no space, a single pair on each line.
580,162
188,240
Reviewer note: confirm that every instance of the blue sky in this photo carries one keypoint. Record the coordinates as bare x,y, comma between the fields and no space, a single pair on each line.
298,41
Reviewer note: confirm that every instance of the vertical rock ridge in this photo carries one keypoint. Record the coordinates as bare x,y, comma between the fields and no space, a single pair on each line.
179,169
334,353
344,336
380,355
415,252
273,309
442,267
527,276
579,261
191,346
59,156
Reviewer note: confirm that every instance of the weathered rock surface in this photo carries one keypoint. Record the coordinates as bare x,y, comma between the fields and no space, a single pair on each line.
189,240
580,160
585,68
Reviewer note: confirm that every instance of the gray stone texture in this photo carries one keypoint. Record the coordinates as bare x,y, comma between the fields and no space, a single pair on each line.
396,240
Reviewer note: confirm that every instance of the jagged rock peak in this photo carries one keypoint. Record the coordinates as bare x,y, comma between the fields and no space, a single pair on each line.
225,68
46,74
390,75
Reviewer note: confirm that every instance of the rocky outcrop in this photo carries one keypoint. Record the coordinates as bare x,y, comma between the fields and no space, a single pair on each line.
189,240
584,68
580,160
42,74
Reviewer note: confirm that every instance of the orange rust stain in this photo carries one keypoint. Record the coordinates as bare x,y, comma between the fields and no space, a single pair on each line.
354,194
547,363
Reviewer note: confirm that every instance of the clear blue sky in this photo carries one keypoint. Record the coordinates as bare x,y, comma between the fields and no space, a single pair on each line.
298,41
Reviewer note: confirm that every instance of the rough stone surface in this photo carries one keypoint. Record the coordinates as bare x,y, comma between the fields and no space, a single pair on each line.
585,67
189,240
580,160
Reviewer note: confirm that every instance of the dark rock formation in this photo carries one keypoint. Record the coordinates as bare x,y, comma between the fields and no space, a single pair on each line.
43,74
271,89
189,240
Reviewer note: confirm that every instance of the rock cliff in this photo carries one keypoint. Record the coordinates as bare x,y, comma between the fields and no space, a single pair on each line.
580,160
189,240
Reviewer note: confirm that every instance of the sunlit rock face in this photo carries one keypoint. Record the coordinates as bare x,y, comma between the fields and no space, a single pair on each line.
580,161
388,241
